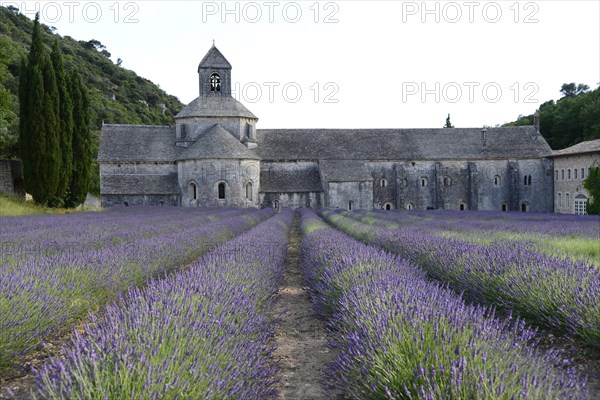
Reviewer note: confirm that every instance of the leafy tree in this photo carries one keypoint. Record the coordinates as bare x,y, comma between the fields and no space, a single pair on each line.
571,89
592,184
95,44
572,119
39,99
448,123
82,143
8,117
66,124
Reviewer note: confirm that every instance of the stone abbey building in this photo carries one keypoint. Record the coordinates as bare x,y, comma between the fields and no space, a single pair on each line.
215,156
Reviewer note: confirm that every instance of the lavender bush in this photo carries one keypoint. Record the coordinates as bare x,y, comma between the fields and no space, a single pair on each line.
403,337
197,334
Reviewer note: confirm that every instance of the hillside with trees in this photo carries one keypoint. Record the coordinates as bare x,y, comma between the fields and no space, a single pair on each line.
116,95
572,119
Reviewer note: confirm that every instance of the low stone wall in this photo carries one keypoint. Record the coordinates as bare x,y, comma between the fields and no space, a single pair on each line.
11,178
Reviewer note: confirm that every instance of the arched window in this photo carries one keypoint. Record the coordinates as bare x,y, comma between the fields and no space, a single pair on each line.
249,190
575,173
308,202
215,83
383,182
569,174
409,206
221,191
462,207
350,205
423,181
405,182
524,207
276,204
388,206
497,180
504,207
556,174
527,180
161,203
582,173
447,181
126,204
568,201
193,191
580,204
559,200
562,174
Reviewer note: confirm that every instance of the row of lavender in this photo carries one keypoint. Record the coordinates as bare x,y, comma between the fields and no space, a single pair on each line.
557,293
587,226
50,235
402,336
44,296
198,334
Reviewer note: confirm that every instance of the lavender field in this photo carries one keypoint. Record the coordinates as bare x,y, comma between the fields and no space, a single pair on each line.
558,292
56,269
171,303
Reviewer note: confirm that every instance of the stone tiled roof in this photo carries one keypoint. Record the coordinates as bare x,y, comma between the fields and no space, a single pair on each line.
140,184
215,59
127,143
344,171
294,180
217,143
215,105
401,144
591,146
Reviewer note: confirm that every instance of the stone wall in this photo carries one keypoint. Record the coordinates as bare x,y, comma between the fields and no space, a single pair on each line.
350,195
506,185
11,178
139,184
207,175
568,182
110,200
291,200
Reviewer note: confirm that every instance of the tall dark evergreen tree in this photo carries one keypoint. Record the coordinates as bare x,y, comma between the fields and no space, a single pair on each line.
52,157
82,150
66,125
40,132
448,123
24,138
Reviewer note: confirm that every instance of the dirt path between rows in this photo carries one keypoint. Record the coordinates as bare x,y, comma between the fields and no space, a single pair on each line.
300,337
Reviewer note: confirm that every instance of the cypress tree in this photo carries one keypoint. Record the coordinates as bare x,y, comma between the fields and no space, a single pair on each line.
65,125
39,134
24,137
82,151
52,157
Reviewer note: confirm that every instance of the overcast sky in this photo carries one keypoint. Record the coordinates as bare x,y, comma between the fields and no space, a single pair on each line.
353,64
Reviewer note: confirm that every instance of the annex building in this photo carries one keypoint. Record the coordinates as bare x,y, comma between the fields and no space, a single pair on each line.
571,167
216,156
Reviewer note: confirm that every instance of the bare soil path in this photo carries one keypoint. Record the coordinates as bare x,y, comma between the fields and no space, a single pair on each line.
300,337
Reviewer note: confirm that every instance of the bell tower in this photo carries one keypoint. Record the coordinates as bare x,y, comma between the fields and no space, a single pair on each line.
214,73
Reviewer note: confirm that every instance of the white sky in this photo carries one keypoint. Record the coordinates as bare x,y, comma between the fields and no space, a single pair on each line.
384,62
